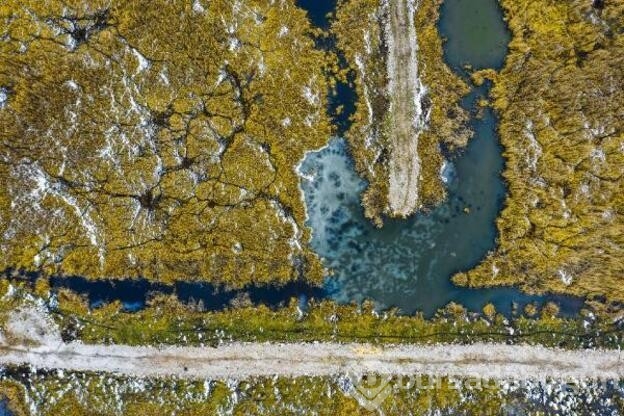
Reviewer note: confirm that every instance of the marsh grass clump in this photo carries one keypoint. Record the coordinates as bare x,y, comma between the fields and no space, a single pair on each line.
560,101
148,138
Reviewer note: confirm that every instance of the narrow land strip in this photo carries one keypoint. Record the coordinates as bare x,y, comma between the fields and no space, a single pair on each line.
241,360
407,118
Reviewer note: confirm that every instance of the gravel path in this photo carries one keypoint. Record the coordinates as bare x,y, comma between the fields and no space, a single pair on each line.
31,337
407,118
239,360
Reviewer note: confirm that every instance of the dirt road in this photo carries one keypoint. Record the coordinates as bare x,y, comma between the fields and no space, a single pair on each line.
240,360
29,336
407,118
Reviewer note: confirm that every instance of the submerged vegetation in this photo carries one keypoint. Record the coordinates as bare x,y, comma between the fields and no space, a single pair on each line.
158,139
359,29
561,104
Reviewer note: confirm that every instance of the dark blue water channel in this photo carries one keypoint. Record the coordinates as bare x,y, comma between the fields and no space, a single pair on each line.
4,409
318,11
407,263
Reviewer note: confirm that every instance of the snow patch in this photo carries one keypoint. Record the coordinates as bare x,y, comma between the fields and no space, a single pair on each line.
283,31
495,270
198,7
608,215
32,324
311,96
565,276
534,149
368,46
142,62
237,248
72,85
221,77
71,44
598,155
295,240
4,97
234,44
369,107
164,77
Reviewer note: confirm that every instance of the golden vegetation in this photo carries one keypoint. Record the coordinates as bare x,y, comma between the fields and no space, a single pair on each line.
93,394
560,98
359,30
13,394
158,138
97,395
165,320
447,127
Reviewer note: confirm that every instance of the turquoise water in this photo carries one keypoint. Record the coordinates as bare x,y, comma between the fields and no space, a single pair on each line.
4,409
409,263
475,33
